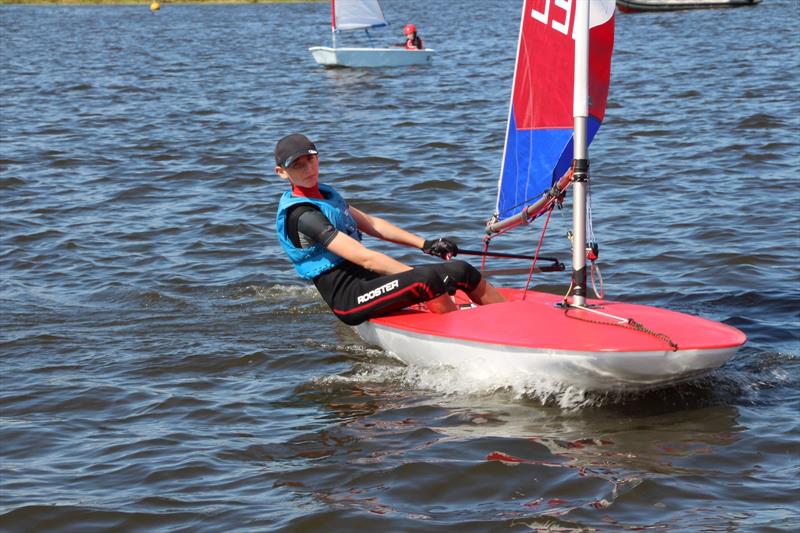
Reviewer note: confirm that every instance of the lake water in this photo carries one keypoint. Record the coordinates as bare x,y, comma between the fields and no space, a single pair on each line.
163,369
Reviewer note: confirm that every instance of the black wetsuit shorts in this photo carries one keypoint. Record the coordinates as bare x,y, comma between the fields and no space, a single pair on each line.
356,294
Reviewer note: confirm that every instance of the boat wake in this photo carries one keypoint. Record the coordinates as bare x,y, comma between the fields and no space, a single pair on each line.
277,293
468,384
278,299
753,381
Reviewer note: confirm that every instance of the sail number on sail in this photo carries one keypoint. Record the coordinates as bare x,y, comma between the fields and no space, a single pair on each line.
561,14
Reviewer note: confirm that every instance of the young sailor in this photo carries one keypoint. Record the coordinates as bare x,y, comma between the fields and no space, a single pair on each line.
413,42
321,235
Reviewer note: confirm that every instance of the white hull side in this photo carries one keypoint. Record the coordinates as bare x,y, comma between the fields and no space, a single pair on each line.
370,57
588,371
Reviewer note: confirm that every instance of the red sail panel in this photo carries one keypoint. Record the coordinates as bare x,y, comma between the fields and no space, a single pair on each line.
543,89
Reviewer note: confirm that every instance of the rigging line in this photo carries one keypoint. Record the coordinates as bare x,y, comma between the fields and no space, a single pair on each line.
564,301
536,255
620,322
619,319
596,268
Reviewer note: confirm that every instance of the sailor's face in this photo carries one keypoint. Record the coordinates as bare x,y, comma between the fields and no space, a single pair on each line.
304,171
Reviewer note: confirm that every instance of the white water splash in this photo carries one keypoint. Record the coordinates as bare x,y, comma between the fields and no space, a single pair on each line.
471,381
301,293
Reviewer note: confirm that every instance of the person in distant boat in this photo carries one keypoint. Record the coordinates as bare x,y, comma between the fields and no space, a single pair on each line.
321,235
413,42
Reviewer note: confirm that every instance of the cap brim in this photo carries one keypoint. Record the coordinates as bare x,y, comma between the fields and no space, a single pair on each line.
292,158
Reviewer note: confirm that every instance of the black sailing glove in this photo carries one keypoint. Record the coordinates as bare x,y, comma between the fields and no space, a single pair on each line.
444,248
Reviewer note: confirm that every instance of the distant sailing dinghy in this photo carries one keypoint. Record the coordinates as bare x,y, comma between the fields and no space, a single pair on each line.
638,6
351,15
558,101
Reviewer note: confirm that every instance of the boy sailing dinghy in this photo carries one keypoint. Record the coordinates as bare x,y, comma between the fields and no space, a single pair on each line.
351,15
558,101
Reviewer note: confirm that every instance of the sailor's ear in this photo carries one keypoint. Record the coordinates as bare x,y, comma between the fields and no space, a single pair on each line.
280,171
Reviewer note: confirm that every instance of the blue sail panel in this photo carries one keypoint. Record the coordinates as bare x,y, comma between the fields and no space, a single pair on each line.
542,156
532,153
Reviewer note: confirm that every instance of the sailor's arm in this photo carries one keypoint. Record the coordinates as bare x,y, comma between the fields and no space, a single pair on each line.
348,248
383,229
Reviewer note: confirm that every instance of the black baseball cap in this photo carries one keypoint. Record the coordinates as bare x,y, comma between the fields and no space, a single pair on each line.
291,147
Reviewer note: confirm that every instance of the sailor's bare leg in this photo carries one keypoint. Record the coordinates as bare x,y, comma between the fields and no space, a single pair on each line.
485,293
441,304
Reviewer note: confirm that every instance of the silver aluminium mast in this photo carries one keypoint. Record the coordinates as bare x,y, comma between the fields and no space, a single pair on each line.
581,152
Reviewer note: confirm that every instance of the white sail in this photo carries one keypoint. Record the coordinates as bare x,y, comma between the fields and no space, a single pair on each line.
357,15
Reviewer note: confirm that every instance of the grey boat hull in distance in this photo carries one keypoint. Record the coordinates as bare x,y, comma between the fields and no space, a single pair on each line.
641,6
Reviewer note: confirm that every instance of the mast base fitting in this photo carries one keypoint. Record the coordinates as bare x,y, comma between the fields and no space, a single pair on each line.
566,305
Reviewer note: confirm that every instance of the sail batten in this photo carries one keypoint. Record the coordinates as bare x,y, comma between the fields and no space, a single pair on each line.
356,15
538,146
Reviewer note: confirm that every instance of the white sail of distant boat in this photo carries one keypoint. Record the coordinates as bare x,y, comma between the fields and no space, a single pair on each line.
353,15
558,100
356,15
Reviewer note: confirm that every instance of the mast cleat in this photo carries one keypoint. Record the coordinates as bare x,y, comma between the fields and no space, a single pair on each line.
592,251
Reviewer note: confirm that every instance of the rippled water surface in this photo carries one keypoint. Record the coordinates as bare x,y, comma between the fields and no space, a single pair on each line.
164,369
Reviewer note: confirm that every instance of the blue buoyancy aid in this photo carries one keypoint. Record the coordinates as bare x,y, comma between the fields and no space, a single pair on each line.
312,261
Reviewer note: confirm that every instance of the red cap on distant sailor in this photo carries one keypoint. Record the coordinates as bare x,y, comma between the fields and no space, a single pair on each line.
291,147
408,29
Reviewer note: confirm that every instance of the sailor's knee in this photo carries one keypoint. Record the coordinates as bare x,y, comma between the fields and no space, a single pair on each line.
433,282
467,277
